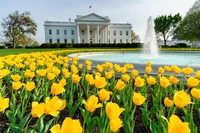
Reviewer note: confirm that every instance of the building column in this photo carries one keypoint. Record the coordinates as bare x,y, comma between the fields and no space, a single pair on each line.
88,33
78,35
97,33
106,34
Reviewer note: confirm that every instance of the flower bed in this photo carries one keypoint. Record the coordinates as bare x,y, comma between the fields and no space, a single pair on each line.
41,92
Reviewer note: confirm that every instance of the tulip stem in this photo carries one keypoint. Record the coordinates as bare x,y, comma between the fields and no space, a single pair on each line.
28,124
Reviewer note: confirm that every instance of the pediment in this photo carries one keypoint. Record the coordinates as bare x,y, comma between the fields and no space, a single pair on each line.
92,17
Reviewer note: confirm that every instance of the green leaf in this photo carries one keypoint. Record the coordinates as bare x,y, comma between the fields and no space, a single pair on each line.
40,124
24,120
153,127
47,125
15,128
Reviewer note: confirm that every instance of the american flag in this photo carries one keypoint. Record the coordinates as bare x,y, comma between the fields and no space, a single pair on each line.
90,6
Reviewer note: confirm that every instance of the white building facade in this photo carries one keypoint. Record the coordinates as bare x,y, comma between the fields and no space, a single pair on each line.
90,28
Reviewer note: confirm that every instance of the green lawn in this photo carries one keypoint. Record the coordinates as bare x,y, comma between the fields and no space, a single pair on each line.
4,52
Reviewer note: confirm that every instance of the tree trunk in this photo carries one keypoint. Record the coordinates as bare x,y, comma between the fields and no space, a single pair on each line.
165,42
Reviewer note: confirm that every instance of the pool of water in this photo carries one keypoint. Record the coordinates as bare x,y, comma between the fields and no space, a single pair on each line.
169,58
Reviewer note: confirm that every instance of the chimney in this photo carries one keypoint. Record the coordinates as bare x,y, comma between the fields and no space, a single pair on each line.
70,20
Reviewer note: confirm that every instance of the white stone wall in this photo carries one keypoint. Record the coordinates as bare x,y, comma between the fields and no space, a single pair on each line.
61,35
118,28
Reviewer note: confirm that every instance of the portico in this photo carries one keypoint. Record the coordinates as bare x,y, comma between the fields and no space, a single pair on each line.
92,29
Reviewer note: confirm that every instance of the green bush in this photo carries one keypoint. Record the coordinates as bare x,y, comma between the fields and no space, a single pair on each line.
181,45
2,47
45,45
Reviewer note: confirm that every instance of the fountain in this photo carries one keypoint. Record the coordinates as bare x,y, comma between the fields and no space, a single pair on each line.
149,53
150,45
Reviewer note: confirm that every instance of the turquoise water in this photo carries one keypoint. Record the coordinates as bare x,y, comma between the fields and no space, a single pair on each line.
163,58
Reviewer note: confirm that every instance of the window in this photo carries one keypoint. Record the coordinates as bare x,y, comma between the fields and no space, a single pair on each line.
65,40
50,32
99,40
90,32
72,40
127,33
120,40
109,33
126,40
50,41
99,33
114,40
72,32
120,33
65,32
58,32
58,40
82,32
114,33
108,40
83,41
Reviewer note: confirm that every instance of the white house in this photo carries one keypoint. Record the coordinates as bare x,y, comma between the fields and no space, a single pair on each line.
91,28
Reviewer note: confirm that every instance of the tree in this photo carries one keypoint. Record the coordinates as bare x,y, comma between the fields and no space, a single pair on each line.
17,26
166,25
189,28
134,37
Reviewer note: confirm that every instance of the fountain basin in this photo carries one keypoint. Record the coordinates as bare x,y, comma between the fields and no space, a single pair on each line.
139,59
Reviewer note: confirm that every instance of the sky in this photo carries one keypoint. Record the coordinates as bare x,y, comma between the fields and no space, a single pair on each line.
135,12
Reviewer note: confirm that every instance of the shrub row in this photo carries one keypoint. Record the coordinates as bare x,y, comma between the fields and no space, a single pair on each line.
178,45
86,45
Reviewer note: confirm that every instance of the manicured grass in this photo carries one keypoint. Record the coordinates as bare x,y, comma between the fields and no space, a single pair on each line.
4,52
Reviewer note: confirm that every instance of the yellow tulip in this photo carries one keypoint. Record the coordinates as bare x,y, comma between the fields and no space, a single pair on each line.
30,86
16,85
126,77
178,70
175,125
108,65
195,93
80,66
41,72
138,99
173,68
198,74
99,68
148,69
164,82
181,99
188,70
68,126
4,73
134,73
100,82
29,74
167,68
75,78
115,124
139,82
151,80
173,80
120,85
57,89
161,70
92,103
63,82
89,68
123,70
50,76
16,77
148,64
54,105
108,75
113,110
104,95
37,109
192,82
168,102
4,103
88,63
